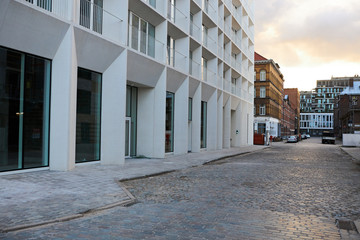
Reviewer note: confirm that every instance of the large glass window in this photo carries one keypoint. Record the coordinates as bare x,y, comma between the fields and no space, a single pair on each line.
131,121
169,122
91,14
170,51
88,116
204,69
203,124
141,35
24,110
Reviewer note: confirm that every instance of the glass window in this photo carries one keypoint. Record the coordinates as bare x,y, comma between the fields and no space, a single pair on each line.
262,109
190,110
88,116
141,35
203,124
263,75
171,51
203,69
24,110
169,122
262,92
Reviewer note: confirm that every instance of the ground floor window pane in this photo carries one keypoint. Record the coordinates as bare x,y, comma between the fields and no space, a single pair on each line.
169,122
24,110
88,116
203,125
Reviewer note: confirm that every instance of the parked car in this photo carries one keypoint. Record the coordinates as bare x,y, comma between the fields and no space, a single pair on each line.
303,136
307,135
292,138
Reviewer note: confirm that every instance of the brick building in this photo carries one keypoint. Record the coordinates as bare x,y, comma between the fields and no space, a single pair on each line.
288,119
347,110
294,98
268,99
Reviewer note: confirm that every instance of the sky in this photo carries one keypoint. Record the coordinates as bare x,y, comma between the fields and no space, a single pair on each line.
310,39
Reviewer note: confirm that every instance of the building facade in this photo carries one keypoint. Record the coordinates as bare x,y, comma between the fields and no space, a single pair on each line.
288,119
347,110
268,94
102,80
294,99
317,106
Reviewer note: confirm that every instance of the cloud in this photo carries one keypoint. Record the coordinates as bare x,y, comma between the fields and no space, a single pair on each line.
309,31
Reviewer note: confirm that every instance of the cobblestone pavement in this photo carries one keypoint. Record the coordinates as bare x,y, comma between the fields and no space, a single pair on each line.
290,191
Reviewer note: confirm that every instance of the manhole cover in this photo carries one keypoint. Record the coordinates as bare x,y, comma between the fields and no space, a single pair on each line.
346,225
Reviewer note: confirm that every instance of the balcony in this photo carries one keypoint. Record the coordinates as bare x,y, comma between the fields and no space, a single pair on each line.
145,43
177,17
176,59
209,76
97,19
157,4
209,10
227,29
209,43
194,69
195,31
58,7
226,85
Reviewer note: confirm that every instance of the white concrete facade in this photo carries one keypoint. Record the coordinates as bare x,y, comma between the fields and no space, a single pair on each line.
211,60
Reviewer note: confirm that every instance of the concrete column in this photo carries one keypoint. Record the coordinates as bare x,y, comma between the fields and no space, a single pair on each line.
227,123
236,127
63,105
220,121
151,120
212,122
113,112
196,120
181,118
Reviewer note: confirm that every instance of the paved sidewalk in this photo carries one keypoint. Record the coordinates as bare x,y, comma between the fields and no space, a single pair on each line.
354,152
36,198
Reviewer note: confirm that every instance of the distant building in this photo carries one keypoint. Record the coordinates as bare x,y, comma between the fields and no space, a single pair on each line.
288,119
294,98
317,106
347,110
268,99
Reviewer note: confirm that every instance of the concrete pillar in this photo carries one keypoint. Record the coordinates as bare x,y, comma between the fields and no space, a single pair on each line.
113,112
151,119
220,118
212,122
196,120
181,118
63,105
227,123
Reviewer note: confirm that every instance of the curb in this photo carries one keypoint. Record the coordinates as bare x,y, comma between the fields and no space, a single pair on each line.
356,161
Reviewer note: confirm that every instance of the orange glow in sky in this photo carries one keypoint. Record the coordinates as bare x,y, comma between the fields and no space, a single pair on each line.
310,39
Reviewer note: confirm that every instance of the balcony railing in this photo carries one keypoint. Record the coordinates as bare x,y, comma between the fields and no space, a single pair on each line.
220,50
210,43
227,57
157,4
194,69
175,59
94,17
58,7
145,43
227,29
209,76
177,17
226,85
210,10
195,31
219,82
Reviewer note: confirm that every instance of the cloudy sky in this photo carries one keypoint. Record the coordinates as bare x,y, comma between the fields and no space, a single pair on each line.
310,39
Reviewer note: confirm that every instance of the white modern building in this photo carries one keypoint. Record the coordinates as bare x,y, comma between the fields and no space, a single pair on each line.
103,80
316,123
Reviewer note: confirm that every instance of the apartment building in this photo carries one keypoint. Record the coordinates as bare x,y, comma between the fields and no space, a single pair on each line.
317,106
103,80
347,110
288,121
269,92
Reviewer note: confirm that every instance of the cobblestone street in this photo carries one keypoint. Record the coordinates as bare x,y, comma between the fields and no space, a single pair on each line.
289,191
